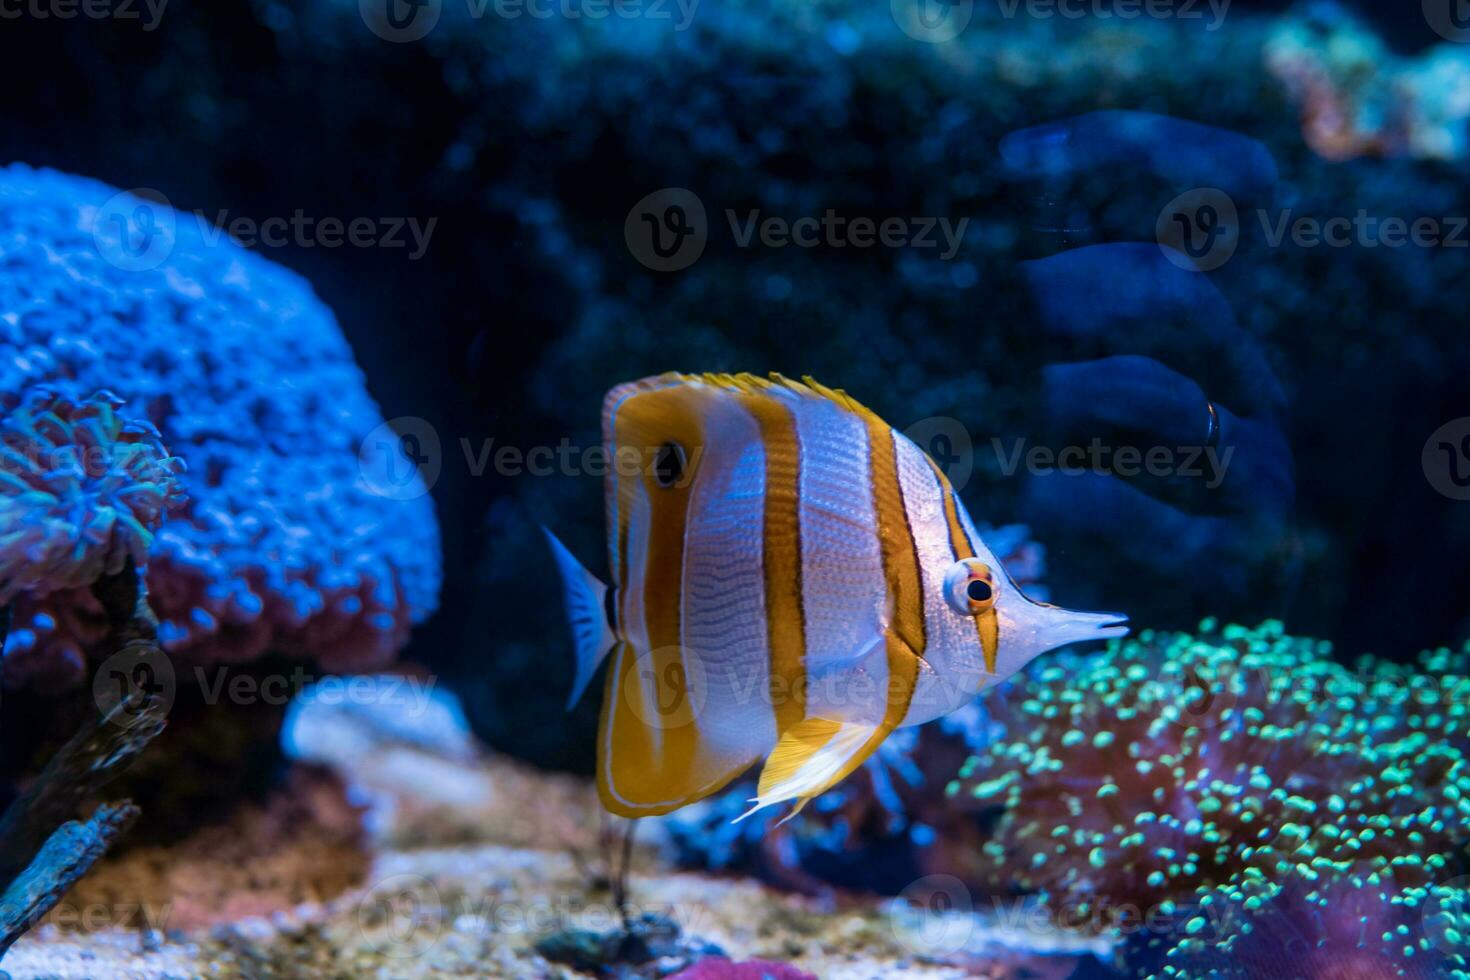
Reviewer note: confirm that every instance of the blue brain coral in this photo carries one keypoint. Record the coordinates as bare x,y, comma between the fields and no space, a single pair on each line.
282,544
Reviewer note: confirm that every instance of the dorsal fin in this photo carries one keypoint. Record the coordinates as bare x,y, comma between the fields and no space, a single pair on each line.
744,382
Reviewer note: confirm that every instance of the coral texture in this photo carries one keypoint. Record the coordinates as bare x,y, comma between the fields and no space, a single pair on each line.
1272,804
282,544
81,491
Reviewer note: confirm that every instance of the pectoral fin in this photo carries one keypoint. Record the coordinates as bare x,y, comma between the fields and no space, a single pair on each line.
812,756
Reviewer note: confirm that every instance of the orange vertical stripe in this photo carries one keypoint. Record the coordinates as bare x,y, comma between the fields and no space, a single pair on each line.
959,542
786,621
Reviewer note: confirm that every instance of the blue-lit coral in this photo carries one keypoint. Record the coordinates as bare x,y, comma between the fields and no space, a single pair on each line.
81,492
1271,805
282,544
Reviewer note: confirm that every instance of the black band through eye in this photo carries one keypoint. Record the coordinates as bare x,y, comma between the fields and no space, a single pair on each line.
668,464
978,590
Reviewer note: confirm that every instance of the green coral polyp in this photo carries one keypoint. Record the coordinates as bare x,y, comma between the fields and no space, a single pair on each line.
1261,777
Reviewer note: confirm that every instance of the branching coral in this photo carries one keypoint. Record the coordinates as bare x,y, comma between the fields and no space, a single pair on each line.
283,544
1268,801
81,491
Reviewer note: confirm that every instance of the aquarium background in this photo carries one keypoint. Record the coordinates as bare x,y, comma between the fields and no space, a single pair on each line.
526,153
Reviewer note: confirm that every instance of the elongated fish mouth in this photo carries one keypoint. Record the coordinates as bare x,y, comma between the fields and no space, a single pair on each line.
1061,626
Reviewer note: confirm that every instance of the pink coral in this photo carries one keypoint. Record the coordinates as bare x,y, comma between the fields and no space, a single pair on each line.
719,968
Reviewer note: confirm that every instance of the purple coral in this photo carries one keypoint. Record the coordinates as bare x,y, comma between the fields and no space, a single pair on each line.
81,492
283,544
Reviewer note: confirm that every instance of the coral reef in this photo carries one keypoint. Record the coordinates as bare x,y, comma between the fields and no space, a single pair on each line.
81,492
1357,98
283,543
1270,804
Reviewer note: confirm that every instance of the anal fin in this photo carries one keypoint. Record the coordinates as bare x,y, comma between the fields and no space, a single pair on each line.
812,756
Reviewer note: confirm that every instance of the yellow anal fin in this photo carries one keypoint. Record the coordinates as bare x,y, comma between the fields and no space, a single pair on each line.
811,757
652,756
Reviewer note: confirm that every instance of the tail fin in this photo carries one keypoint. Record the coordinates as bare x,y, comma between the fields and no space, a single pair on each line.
591,634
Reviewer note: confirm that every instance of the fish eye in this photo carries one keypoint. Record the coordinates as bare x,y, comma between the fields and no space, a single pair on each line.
668,464
969,586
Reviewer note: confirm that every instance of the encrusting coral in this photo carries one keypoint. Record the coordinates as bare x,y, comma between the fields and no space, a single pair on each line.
1261,801
283,543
